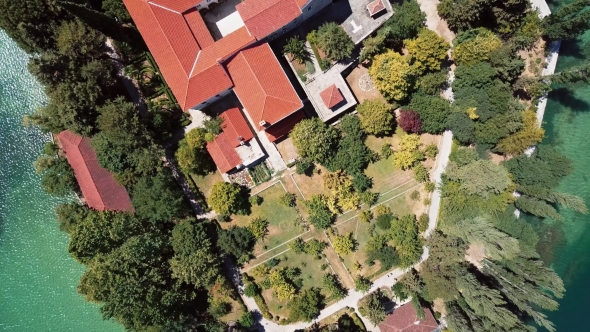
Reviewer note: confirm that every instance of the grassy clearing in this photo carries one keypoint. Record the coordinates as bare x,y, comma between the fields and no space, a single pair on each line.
281,219
205,183
236,312
311,275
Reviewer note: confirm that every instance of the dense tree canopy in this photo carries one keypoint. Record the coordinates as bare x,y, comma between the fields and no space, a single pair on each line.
228,198
376,117
427,51
568,22
333,40
158,198
433,112
392,74
314,140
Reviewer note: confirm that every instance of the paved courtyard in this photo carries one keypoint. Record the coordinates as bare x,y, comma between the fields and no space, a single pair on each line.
222,18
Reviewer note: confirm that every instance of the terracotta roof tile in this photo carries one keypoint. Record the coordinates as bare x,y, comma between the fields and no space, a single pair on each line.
285,126
223,153
263,17
262,86
331,96
235,126
181,44
176,5
404,319
375,7
195,22
301,3
98,186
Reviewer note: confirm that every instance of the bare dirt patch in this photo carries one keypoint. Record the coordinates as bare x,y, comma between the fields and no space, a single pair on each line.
353,80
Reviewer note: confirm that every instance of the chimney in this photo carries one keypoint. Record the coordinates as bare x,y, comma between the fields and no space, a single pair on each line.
262,123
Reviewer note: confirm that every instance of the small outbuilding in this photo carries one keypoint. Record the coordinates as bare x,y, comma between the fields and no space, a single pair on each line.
405,319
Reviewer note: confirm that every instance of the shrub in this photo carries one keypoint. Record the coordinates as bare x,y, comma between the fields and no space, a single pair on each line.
251,290
381,210
227,198
399,291
273,262
431,151
314,247
259,228
415,195
310,67
303,167
423,221
369,198
376,117
297,245
427,201
343,244
421,173
365,216
362,284
287,199
429,187
255,200
386,151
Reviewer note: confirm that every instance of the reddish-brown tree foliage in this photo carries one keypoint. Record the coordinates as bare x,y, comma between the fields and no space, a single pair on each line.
410,121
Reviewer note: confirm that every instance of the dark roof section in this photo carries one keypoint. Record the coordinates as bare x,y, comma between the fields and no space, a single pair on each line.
404,319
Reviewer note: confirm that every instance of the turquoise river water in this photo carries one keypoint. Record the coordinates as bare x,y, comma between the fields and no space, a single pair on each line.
38,278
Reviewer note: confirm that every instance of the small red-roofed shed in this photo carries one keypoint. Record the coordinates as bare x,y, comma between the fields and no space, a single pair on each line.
235,127
331,96
223,153
375,7
404,319
98,186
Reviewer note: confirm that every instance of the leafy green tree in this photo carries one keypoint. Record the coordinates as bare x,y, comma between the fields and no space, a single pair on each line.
116,9
476,46
352,155
314,247
530,134
76,40
427,51
373,308
482,177
259,228
132,282
568,22
333,285
405,23
194,261
372,46
281,287
480,75
287,199
57,177
297,246
343,244
433,112
421,174
376,117
460,14
236,241
228,198
296,47
404,236
463,127
158,198
392,74
314,140
333,40
497,245
251,290
362,284
247,320
432,83
306,306
320,216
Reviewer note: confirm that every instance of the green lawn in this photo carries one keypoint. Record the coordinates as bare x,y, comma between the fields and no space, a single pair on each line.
281,219
311,274
205,183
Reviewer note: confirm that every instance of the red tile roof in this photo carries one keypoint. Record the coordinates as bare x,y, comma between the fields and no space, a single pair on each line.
262,86
181,44
284,126
263,17
301,3
235,126
375,7
98,186
223,153
331,96
404,319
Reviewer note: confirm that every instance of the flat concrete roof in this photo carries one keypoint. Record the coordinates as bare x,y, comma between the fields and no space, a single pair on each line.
360,23
230,23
